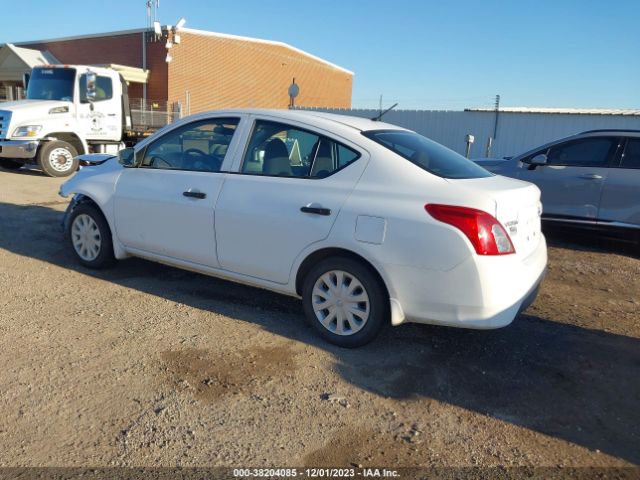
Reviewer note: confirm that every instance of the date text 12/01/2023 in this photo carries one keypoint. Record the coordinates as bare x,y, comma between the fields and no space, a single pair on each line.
315,472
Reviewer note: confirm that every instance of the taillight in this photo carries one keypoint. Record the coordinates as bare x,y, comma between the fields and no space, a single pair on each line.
484,231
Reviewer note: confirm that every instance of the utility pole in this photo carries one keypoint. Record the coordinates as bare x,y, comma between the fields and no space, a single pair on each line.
497,110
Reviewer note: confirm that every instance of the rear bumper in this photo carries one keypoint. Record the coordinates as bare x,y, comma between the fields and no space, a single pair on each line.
480,293
18,149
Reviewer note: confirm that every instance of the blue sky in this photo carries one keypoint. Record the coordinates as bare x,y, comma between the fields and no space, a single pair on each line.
420,53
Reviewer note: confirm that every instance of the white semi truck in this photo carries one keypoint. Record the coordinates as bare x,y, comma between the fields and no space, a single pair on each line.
69,110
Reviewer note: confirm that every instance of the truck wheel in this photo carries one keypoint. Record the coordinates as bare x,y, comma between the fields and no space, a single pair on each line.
10,164
90,236
345,302
58,158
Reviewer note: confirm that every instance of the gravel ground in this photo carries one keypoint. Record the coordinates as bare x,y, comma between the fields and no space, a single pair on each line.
147,365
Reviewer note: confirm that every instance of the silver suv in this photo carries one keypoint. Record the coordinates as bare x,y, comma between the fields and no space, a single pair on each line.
587,180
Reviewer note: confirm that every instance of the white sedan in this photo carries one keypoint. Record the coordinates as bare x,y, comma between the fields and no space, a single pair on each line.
367,222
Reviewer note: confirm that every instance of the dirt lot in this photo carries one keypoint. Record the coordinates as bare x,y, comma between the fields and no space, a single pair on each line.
149,365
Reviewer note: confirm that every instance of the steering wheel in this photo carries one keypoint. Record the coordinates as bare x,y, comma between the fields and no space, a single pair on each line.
193,158
190,151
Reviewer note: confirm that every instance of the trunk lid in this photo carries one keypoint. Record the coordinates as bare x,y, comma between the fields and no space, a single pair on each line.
517,208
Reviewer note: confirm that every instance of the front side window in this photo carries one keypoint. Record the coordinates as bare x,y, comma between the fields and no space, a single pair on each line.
51,84
104,88
200,146
427,154
281,150
631,157
589,152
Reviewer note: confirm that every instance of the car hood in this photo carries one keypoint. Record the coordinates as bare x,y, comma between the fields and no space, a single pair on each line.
101,166
490,163
31,105
34,112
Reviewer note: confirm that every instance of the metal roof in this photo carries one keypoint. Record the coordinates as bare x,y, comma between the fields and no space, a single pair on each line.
565,111
14,61
130,74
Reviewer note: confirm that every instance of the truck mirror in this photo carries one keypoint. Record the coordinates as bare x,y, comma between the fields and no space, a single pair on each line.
90,86
127,157
25,80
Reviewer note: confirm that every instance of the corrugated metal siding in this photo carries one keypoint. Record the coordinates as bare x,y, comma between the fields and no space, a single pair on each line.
517,132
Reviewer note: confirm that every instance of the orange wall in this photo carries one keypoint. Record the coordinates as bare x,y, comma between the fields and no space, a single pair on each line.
218,72
223,72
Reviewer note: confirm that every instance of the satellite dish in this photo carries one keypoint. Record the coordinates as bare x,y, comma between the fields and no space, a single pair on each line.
294,90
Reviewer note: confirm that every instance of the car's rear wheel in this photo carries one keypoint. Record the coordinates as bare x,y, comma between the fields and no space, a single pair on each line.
90,237
8,164
345,301
58,158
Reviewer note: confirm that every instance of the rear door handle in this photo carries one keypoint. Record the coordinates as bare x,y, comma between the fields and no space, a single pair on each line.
190,194
591,176
316,210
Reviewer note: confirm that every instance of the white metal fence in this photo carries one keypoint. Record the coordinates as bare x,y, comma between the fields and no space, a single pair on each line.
516,132
153,114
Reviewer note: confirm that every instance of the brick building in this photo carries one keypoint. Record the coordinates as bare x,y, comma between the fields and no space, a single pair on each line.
208,70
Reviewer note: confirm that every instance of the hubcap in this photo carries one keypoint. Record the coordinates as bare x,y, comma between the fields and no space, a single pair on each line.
86,238
340,302
60,159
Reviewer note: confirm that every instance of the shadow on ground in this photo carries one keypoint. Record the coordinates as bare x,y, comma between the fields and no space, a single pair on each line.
565,381
30,170
588,241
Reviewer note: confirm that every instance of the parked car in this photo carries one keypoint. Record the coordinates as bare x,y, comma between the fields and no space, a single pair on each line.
590,180
367,222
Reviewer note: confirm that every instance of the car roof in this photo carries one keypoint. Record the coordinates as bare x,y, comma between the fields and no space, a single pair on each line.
310,116
612,131
581,135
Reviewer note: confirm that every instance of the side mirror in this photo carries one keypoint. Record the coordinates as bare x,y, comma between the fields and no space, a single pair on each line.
90,86
25,80
127,157
540,159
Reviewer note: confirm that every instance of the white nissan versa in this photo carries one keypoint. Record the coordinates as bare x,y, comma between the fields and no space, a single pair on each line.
369,223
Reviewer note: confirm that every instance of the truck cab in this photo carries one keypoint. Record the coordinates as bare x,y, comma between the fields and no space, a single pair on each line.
69,110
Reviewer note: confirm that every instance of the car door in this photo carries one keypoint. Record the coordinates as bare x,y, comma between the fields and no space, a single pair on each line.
165,206
102,118
286,195
571,182
621,193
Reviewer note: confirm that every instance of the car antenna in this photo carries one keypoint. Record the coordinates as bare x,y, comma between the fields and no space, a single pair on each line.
379,117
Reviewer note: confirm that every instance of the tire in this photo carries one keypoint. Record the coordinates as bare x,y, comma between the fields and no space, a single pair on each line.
360,284
90,237
8,164
58,158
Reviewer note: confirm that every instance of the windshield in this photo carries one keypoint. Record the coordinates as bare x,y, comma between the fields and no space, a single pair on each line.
427,154
51,84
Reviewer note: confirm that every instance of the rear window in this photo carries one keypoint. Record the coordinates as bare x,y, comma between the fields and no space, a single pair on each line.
427,154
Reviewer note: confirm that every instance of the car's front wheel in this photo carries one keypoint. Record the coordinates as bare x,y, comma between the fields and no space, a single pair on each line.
90,236
345,301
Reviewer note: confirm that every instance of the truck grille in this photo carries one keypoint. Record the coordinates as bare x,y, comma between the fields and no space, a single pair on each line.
5,118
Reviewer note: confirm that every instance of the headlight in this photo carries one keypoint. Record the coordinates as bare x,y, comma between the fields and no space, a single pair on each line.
27,131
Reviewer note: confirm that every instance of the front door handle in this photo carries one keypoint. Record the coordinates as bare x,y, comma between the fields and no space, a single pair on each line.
591,176
190,194
316,210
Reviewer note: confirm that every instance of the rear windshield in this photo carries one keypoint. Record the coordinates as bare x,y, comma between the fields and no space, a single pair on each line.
427,154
